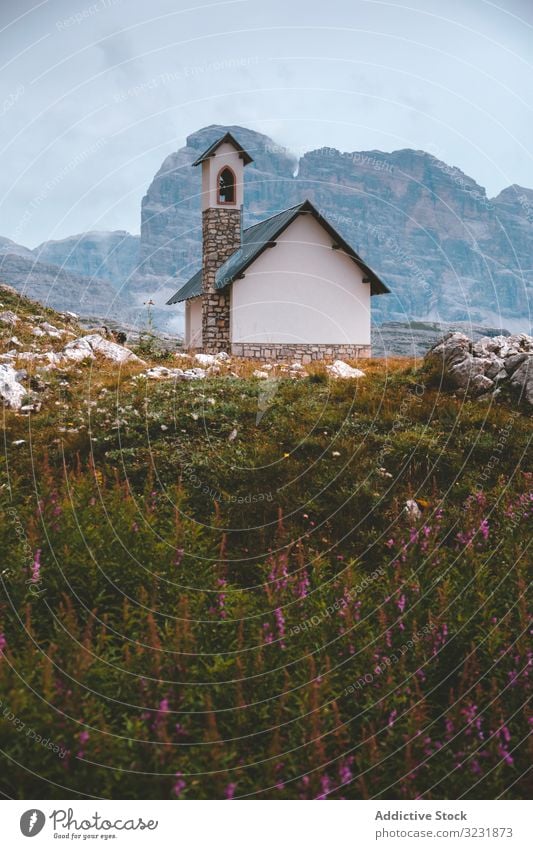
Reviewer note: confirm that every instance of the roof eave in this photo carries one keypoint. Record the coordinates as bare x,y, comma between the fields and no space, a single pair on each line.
212,149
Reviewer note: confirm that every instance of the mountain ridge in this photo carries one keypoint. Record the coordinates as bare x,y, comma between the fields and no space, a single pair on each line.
448,252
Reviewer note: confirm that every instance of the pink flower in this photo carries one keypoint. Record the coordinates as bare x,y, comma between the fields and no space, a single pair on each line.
229,792
179,785
392,718
484,528
3,642
36,566
325,784
267,633
83,737
280,622
303,585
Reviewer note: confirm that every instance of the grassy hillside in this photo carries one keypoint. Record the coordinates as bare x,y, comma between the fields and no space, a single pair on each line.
198,604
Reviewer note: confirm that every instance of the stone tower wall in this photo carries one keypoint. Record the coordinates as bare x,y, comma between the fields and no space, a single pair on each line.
221,236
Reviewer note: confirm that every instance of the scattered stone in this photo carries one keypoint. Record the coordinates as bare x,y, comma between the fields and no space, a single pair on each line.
211,359
8,317
51,331
164,373
233,435
11,390
205,359
413,510
194,374
340,369
261,375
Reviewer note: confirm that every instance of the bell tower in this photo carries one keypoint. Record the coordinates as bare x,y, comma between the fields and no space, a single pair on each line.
223,166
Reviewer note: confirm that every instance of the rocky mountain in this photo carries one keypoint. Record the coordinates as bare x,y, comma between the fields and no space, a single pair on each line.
9,247
55,287
111,256
447,251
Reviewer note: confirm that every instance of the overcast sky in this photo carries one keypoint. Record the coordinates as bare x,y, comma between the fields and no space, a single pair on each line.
94,95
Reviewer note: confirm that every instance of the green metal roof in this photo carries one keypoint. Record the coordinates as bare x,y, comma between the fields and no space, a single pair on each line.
261,236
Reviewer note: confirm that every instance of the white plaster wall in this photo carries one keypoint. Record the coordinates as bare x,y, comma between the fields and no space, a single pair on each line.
225,155
193,323
302,291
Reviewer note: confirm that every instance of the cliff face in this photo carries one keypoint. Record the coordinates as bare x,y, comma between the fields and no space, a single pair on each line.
171,216
447,251
111,256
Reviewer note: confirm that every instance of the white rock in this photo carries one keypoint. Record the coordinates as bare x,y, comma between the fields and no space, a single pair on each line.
163,373
8,317
11,390
78,350
194,374
85,347
343,370
36,331
16,342
412,509
49,328
223,357
111,350
261,375
205,359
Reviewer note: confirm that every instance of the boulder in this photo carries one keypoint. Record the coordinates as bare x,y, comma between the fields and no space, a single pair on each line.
8,317
340,369
86,347
11,390
522,380
483,366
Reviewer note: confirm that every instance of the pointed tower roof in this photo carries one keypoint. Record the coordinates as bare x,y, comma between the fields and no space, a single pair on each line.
212,149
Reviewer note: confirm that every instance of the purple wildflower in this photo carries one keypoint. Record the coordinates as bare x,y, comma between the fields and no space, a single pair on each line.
179,785
36,567
229,792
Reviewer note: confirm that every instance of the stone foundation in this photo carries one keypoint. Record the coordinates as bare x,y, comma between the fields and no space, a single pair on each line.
298,353
221,234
